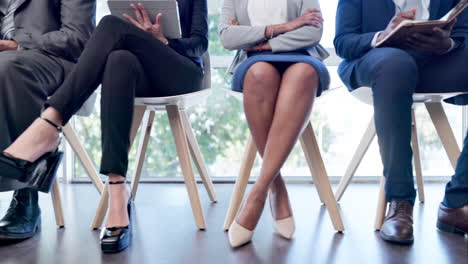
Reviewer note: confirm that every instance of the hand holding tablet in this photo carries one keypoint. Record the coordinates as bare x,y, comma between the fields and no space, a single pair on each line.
158,17
144,22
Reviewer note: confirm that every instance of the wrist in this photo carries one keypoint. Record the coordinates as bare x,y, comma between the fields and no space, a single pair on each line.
283,28
446,47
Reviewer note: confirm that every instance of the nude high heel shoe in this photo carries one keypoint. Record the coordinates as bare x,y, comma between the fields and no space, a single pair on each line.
239,235
284,227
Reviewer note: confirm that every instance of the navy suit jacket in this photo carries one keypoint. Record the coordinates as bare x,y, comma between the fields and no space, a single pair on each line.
357,21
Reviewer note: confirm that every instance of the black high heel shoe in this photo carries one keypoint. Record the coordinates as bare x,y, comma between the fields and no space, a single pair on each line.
116,239
39,174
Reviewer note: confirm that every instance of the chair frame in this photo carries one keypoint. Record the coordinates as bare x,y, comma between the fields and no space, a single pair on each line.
87,163
433,105
317,168
186,145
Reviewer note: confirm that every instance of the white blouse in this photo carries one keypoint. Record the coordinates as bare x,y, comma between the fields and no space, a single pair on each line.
422,6
267,12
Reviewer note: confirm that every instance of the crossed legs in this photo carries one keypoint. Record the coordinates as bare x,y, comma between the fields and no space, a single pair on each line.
277,107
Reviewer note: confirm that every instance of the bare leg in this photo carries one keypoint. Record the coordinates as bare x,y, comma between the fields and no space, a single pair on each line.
261,87
38,139
292,109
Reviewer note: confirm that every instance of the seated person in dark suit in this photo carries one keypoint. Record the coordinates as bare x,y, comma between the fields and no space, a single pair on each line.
40,41
430,63
129,58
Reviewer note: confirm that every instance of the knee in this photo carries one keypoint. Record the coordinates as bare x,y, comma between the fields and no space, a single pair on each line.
395,63
396,72
261,81
123,60
10,65
303,73
109,22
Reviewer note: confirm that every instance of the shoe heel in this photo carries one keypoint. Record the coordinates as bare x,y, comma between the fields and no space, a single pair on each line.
44,182
447,228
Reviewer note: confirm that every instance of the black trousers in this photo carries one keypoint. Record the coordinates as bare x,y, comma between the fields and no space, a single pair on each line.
129,62
27,78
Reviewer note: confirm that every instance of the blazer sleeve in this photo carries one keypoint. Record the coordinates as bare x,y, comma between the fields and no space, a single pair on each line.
77,23
239,36
460,29
300,38
350,43
197,43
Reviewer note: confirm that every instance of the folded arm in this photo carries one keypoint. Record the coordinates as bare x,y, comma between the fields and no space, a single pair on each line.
303,37
197,44
78,20
236,37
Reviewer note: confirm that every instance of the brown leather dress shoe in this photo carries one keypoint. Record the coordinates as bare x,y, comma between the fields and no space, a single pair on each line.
453,220
398,224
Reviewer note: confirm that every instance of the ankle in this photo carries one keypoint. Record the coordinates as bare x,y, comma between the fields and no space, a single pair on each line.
118,189
115,177
53,115
258,195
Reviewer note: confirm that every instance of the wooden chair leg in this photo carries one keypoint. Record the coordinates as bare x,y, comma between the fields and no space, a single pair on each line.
417,159
381,206
197,157
185,163
363,146
241,182
319,175
138,114
101,210
440,120
57,203
83,156
141,152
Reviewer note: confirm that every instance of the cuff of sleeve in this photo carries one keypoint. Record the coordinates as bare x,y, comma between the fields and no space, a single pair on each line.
453,45
374,39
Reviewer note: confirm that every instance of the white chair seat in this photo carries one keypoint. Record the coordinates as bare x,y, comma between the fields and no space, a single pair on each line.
240,96
364,94
183,101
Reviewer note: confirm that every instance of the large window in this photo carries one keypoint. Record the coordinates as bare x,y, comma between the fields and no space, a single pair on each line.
339,121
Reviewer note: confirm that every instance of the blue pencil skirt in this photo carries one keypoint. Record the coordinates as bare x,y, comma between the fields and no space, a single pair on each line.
281,61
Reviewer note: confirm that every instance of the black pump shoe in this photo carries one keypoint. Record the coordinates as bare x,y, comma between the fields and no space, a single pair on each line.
116,239
39,174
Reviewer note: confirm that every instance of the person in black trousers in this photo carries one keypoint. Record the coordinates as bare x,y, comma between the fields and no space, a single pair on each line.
129,60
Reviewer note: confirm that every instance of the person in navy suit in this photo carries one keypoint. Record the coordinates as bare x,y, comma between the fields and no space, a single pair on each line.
426,63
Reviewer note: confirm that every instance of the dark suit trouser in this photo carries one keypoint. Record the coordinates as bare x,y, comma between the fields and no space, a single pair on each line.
394,76
128,62
26,79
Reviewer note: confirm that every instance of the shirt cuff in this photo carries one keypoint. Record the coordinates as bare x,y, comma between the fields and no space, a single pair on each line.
374,40
453,45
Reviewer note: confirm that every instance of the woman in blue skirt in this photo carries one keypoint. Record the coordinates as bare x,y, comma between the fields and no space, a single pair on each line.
279,69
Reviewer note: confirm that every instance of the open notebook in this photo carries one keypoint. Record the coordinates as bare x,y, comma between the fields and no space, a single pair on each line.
408,27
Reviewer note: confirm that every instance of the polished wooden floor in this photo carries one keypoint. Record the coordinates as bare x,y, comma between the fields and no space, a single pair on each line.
165,231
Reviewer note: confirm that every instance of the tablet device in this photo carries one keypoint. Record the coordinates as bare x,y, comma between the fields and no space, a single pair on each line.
168,8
